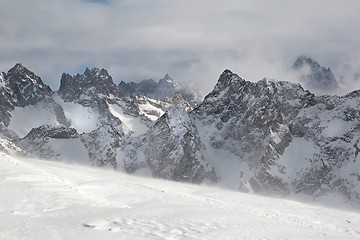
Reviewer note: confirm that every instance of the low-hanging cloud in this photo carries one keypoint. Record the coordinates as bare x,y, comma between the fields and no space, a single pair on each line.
190,40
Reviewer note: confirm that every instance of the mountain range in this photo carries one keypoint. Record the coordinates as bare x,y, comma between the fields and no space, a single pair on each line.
268,137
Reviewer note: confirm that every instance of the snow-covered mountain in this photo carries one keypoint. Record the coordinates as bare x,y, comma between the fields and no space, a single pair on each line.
51,200
314,76
83,121
266,137
89,119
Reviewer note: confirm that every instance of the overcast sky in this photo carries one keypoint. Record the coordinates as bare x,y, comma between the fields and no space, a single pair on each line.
192,40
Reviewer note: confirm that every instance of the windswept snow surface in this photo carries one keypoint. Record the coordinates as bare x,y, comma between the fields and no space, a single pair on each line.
70,150
52,200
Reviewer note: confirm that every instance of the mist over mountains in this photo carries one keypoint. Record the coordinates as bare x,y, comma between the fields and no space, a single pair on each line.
268,137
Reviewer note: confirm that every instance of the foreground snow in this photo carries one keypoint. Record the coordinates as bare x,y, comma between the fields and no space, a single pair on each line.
51,200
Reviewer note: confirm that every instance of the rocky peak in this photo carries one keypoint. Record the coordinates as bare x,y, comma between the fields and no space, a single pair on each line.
302,60
96,72
25,87
228,82
314,76
265,101
20,72
92,83
166,79
142,88
227,77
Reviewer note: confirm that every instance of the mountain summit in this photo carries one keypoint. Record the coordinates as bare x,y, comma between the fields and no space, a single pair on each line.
83,86
25,87
314,76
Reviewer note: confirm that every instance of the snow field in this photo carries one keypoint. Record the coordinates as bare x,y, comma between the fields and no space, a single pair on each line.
32,116
53,200
132,123
83,119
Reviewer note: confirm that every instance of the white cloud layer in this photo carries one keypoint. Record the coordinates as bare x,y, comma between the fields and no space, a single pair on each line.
191,40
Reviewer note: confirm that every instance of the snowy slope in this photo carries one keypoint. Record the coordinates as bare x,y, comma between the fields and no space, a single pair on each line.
83,119
134,124
23,119
53,200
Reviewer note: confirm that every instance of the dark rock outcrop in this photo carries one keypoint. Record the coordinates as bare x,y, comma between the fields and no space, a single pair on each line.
314,76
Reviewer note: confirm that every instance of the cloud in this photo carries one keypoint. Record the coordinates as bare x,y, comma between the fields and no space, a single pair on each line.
106,2
190,40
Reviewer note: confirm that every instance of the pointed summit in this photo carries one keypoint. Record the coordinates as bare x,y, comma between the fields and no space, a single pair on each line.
314,76
226,72
26,87
166,79
96,73
225,79
18,66
87,71
20,72
302,60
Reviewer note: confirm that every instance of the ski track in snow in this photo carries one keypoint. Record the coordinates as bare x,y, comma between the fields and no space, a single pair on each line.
52,200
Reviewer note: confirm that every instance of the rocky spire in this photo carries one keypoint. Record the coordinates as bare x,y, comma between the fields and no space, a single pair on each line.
92,83
314,76
26,87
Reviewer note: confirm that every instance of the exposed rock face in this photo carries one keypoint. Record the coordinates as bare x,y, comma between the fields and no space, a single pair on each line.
179,157
102,145
26,87
5,107
314,76
143,87
163,89
93,83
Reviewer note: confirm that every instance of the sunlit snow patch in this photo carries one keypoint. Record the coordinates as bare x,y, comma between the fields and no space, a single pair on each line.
150,111
83,119
29,117
132,123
